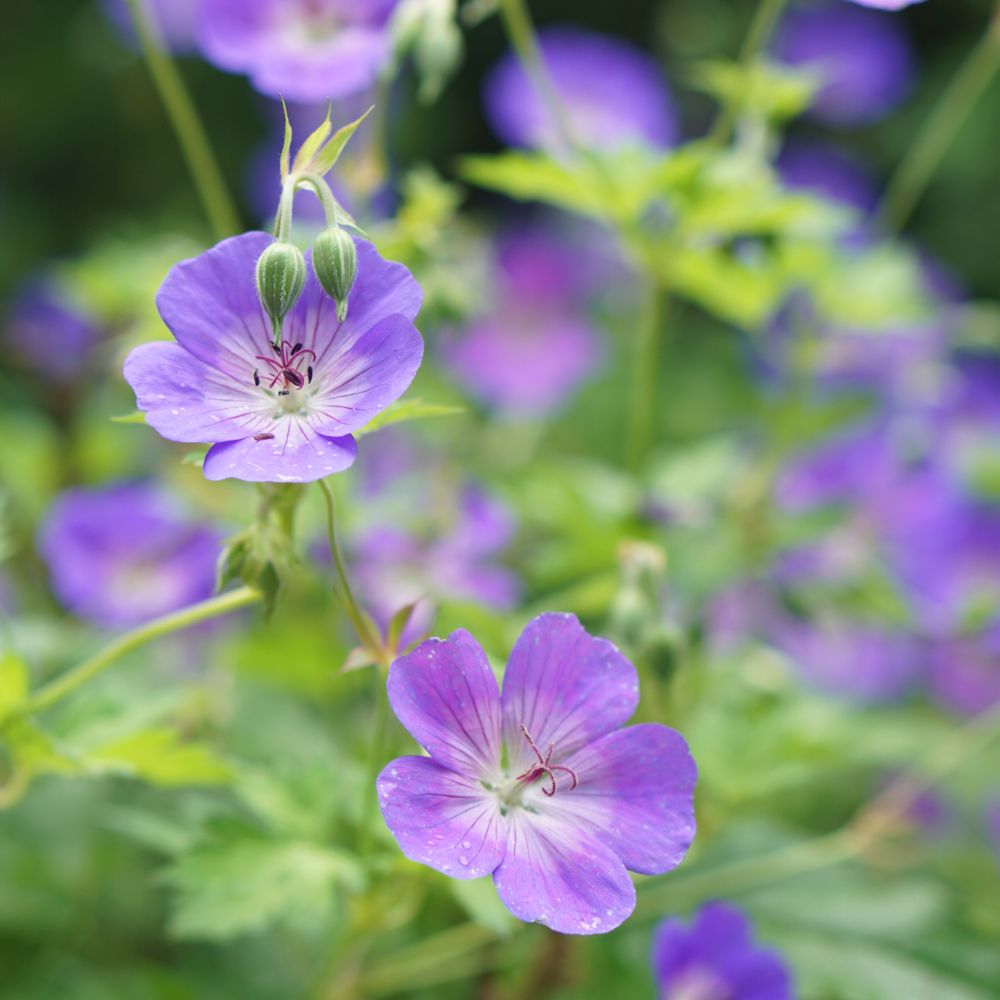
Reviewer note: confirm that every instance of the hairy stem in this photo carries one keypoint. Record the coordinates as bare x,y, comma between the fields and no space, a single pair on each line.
944,122
60,687
191,135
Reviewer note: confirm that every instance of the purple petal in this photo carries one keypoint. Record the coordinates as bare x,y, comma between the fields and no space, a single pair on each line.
295,454
186,400
210,305
445,694
559,875
636,793
565,687
441,818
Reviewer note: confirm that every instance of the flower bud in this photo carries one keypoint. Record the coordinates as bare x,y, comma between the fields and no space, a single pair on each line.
335,261
281,276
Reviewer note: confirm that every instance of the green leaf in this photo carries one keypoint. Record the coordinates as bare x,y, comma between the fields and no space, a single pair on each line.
159,756
324,160
286,146
407,409
135,417
315,139
768,90
478,897
35,751
239,881
13,683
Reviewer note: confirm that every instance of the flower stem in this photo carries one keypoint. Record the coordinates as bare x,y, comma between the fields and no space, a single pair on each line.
953,107
174,622
376,758
191,136
645,366
758,35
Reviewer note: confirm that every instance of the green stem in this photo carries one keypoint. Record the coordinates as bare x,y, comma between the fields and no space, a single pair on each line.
376,758
100,661
758,36
953,107
521,32
325,195
645,367
187,126
343,590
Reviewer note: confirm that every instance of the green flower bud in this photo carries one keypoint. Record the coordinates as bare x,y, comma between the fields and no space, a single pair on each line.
281,276
335,261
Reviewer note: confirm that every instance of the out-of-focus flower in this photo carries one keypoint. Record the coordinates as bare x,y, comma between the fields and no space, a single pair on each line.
886,4
49,334
863,58
120,555
275,414
826,170
396,567
964,672
175,21
303,50
716,958
536,345
574,802
612,95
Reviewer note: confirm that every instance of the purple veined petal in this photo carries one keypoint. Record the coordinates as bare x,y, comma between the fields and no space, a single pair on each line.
565,687
441,818
294,453
558,874
187,400
446,696
210,305
636,794
362,379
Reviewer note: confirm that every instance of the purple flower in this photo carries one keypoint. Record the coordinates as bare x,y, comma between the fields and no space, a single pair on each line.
863,58
275,415
396,566
965,672
536,345
49,334
612,94
538,787
123,554
886,4
716,958
175,20
304,50
826,170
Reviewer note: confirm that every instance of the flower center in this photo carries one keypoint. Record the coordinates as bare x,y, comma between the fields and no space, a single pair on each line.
543,767
284,372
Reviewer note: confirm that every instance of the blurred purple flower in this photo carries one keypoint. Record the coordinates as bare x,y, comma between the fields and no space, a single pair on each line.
303,50
123,554
886,4
275,416
716,958
537,344
826,170
49,334
965,672
396,567
613,94
578,801
863,58
175,20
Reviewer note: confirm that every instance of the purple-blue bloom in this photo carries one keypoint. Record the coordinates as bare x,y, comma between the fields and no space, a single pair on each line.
275,415
886,4
538,786
176,21
49,334
826,170
303,50
122,554
715,957
612,94
863,58
536,344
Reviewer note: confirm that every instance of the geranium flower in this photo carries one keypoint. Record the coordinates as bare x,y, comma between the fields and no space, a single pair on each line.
538,787
886,4
716,958
282,414
612,93
123,554
303,50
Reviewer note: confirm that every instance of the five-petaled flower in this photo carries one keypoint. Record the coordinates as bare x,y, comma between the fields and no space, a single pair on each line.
538,787
275,414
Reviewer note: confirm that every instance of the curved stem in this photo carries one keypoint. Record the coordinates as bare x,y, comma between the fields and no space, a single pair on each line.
60,687
323,192
955,104
187,126
644,371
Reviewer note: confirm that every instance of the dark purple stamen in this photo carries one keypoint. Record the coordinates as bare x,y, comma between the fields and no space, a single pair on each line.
285,369
545,766
309,372
263,436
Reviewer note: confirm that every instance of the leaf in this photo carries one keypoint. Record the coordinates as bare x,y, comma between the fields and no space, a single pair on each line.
286,145
478,897
135,417
315,139
239,881
13,683
324,160
407,409
769,90
159,756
